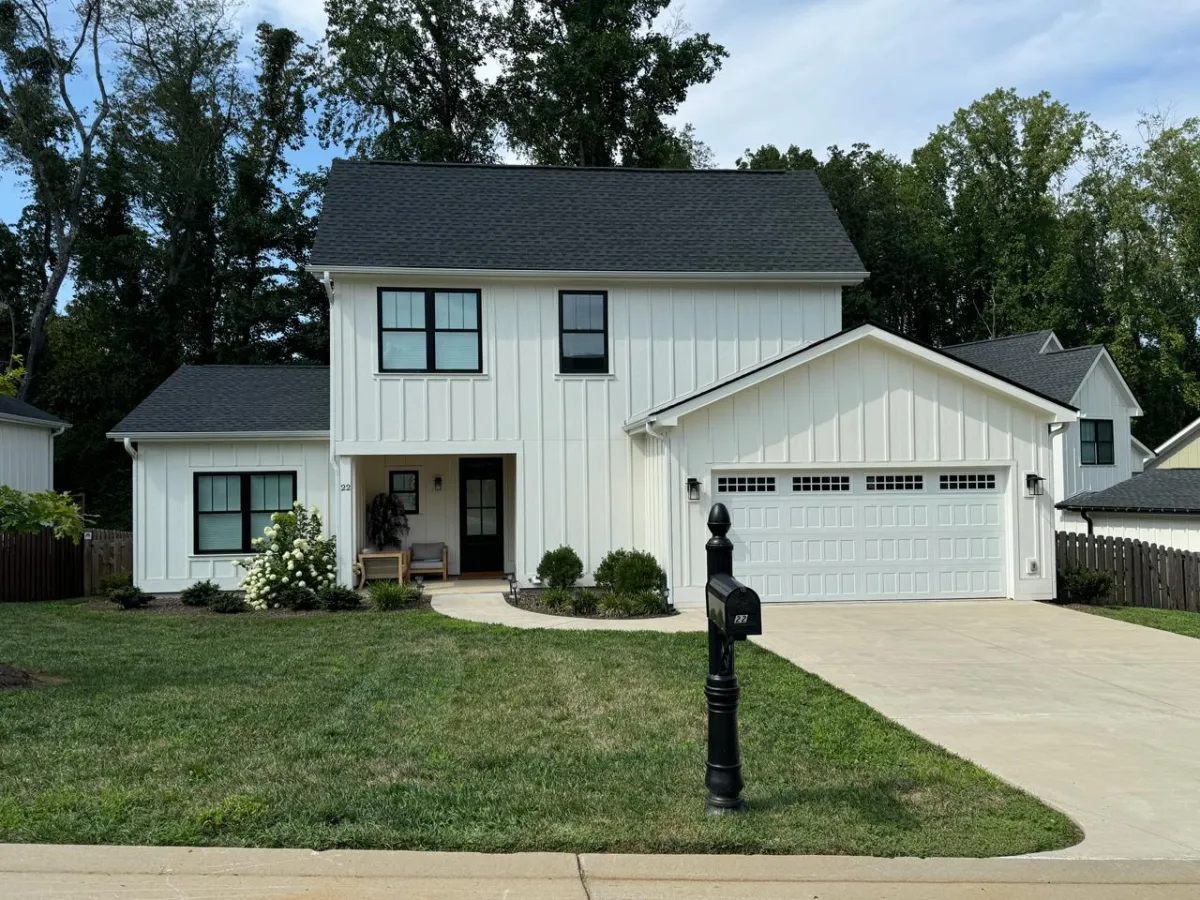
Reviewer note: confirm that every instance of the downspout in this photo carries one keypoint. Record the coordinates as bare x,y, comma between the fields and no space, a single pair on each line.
335,501
669,562
129,448
1087,518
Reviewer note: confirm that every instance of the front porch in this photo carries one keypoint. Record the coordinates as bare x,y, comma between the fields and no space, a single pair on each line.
467,502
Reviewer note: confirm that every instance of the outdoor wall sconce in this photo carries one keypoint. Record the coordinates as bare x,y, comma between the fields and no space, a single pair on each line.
693,489
1035,485
437,482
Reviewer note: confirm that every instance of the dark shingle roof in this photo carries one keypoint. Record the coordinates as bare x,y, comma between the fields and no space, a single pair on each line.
530,218
11,406
198,399
1158,490
1055,373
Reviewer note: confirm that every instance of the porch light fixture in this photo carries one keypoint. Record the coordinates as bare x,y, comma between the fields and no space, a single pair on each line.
437,482
693,489
1035,485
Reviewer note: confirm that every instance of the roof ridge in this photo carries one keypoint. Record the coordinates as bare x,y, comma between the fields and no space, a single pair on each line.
1074,349
433,164
996,340
254,366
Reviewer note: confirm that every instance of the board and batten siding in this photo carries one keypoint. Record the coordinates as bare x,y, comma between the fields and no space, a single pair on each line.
1098,398
866,405
163,502
580,480
26,457
1186,456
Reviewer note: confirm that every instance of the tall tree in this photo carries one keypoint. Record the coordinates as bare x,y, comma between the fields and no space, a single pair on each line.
590,83
50,133
403,79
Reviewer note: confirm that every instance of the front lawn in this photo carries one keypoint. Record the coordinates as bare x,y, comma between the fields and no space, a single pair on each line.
1176,620
410,730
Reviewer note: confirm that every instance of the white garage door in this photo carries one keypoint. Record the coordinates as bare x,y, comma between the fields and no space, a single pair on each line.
867,535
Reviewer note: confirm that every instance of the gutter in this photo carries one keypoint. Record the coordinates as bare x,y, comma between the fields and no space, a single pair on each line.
843,278
218,435
58,427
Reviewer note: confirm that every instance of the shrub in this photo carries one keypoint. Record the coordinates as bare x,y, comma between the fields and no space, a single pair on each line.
630,572
583,603
227,602
295,596
115,580
202,593
127,596
555,598
389,595
335,596
1085,586
645,603
292,552
560,568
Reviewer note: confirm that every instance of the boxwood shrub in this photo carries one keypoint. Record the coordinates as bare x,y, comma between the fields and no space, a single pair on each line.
202,593
560,568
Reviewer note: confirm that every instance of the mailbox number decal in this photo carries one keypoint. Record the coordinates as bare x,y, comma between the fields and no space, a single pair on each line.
741,620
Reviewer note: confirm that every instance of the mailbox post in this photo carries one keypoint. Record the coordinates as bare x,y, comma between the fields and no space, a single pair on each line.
734,613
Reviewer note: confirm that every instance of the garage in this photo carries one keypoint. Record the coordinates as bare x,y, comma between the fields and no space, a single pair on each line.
891,534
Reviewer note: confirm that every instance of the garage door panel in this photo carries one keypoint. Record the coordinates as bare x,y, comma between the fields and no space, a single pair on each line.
892,541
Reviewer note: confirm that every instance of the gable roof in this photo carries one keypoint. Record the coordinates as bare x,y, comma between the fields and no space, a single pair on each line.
12,409
673,410
1020,357
1155,491
1177,440
211,400
385,215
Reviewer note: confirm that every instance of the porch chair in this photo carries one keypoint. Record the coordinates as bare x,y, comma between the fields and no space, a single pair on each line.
429,559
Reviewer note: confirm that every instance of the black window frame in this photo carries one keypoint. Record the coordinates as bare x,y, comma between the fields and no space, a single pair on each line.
1097,443
746,484
570,368
967,481
430,329
416,491
245,511
895,481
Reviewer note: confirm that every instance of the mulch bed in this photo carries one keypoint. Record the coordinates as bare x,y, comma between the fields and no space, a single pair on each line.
173,606
529,599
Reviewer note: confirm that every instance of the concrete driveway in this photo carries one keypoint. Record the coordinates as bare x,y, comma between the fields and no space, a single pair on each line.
1099,718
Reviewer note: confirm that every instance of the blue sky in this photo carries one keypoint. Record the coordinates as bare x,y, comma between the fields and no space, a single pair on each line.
887,72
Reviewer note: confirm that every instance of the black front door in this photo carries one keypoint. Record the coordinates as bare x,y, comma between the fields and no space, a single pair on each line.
481,515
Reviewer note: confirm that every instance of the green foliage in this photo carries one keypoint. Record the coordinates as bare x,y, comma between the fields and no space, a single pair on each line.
583,602
630,572
294,560
25,513
560,568
228,603
335,597
387,521
1086,586
643,603
115,580
202,593
390,595
293,596
127,596
11,375
556,598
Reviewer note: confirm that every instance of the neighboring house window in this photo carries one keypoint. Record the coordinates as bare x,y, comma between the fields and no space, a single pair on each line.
406,487
1096,442
821,483
745,484
430,331
583,337
232,509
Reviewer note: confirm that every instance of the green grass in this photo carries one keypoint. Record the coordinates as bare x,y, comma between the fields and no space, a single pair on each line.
410,730
1178,621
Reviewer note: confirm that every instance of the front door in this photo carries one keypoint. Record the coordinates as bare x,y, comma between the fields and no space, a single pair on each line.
481,515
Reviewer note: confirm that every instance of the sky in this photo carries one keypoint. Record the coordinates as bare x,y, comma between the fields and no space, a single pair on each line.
888,72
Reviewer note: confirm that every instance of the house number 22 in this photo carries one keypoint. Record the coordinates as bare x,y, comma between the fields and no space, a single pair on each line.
345,487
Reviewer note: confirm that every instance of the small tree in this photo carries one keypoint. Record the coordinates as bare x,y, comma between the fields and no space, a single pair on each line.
22,513
387,521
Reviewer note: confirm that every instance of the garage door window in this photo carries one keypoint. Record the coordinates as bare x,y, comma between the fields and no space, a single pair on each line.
807,483
746,484
895,483
969,481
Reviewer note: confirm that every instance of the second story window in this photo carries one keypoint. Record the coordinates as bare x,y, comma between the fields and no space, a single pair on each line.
1096,442
583,326
429,331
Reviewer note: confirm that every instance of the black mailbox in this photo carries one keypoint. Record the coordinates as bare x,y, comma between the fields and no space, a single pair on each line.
734,608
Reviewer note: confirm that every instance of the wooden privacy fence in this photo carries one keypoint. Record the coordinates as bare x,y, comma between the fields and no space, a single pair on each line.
1143,574
43,567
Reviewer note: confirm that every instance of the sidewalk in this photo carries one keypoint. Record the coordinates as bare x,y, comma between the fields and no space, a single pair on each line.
29,871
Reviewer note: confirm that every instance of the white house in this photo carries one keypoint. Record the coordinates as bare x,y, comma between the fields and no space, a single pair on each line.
1099,450
27,445
538,356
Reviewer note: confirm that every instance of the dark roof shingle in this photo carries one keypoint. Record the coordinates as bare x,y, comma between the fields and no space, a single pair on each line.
1158,490
543,218
11,406
1055,373
213,399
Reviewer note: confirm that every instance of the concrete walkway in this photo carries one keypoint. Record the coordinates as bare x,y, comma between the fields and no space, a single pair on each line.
1096,717
29,871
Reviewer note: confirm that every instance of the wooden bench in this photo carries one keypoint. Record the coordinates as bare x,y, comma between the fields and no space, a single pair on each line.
382,565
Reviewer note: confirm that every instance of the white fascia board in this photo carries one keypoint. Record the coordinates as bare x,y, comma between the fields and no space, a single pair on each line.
843,278
220,436
1177,438
1052,339
29,420
1146,452
671,415
1135,408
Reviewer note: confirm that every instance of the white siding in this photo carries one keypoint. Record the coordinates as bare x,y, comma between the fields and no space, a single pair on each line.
867,406
1179,532
1099,397
26,457
163,502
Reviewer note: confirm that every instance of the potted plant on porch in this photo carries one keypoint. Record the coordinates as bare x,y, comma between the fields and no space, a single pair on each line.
387,521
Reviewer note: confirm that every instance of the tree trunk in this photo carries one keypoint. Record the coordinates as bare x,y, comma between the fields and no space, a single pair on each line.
41,312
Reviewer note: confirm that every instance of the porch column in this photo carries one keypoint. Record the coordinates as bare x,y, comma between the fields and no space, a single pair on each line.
344,493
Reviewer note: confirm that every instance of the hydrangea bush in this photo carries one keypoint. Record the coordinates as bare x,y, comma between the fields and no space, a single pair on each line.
292,553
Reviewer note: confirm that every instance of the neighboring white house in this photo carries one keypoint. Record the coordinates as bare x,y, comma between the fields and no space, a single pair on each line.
27,445
536,356
1099,450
